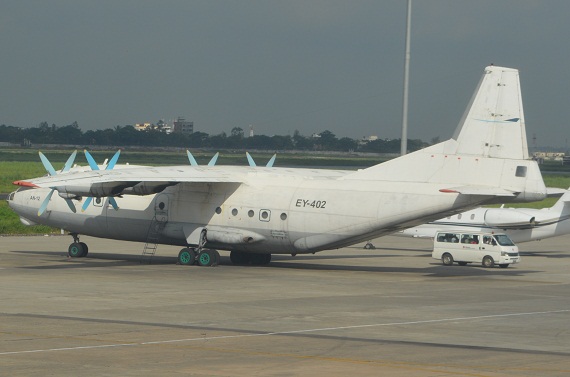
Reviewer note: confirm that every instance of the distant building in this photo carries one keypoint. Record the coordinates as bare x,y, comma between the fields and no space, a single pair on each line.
548,156
182,126
367,139
162,126
144,126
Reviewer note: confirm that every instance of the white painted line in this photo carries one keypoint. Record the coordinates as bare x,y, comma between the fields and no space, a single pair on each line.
286,332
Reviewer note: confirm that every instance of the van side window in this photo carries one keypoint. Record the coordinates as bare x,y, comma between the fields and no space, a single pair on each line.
447,237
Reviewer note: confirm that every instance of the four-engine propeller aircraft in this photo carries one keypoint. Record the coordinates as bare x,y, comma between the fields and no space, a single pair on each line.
520,224
254,212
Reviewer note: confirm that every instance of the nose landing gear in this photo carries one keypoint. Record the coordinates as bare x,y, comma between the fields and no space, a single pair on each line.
77,249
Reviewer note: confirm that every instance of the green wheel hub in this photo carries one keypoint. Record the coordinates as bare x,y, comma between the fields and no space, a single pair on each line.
185,257
75,250
204,259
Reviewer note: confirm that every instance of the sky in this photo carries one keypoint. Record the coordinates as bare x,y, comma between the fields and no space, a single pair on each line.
281,66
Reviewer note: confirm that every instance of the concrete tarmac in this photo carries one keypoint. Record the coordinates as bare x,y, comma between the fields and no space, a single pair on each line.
392,311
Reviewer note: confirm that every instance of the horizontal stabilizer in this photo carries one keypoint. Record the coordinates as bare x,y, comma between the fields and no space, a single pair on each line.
554,192
479,190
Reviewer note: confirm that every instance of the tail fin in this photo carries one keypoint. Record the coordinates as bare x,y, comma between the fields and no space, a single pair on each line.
488,154
563,204
493,125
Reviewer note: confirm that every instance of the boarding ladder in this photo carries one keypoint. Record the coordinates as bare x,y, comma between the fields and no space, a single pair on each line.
155,229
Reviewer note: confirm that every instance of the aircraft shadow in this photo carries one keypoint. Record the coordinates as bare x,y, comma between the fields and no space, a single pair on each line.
546,254
284,262
113,260
434,270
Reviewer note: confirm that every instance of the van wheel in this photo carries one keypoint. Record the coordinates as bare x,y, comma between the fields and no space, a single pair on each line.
488,262
447,259
504,265
462,263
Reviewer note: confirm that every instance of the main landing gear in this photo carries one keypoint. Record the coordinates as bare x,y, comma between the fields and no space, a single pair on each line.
206,257
209,257
77,249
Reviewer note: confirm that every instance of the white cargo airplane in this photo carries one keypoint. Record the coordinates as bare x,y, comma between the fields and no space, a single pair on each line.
520,224
258,211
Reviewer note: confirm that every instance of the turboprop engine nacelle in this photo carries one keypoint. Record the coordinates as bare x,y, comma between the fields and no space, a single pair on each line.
508,218
97,190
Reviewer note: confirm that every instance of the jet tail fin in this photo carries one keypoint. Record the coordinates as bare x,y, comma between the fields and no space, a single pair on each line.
563,204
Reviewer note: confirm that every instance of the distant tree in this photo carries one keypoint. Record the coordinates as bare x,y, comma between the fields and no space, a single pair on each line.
237,132
434,140
346,144
301,142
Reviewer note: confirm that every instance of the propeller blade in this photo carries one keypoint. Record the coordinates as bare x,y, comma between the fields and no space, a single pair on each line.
91,160
191,158
69,162
214,159
113,161
45,203
113,203
71,205
271,162
47,164
250,159
86,204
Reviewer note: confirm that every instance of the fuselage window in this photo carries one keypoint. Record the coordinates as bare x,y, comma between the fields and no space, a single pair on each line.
250,213
472,216
283,216
459,217
234,211
218,210
265,215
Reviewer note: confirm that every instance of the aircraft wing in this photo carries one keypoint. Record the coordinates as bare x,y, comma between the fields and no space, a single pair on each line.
114,182
479,190
150,180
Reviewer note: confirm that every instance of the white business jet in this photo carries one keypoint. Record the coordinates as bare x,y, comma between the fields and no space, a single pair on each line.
254,212
520,224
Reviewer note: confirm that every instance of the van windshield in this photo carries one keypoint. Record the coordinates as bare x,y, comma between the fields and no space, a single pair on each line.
504,240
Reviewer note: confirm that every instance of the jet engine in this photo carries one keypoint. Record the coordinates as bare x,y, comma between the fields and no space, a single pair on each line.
508,218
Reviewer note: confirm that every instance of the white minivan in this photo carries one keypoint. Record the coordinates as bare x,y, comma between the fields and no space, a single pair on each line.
475,247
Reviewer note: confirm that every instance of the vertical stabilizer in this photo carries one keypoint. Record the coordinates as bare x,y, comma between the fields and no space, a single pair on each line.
563,204
493,125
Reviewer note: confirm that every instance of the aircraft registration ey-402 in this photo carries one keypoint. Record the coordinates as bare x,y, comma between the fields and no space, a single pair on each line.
254,211
310,203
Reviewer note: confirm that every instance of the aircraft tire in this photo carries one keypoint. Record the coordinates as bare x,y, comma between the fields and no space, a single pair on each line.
85,248
208,258
260,259
187,257
239,258
447,259
488,262
76,250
